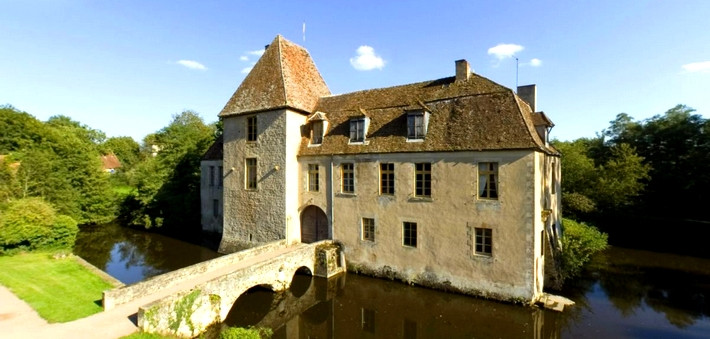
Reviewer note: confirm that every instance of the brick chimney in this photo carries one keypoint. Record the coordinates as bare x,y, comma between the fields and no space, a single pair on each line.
529,94
463,70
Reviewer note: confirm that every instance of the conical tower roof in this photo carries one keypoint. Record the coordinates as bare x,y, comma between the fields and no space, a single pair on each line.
284,77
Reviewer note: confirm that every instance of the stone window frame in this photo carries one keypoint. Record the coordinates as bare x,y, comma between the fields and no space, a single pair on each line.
347,178
313,178
488,193
483,241
410,234
387,178
422,179
252,131
250,174
367,227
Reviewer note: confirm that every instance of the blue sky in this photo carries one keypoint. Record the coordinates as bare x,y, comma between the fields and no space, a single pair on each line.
125,67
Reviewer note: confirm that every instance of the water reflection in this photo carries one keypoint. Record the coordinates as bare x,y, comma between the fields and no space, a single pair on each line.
131,255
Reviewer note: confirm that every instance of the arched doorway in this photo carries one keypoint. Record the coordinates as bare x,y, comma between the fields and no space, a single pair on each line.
314,224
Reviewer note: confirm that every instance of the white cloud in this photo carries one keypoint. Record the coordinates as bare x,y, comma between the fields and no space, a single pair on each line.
366,59
258,52
502,51
244,58
535,62
700,67
192,64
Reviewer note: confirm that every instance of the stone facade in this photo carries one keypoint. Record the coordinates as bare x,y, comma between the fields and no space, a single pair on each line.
438,228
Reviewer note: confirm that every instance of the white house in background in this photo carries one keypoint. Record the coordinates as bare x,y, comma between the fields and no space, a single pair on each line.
448,183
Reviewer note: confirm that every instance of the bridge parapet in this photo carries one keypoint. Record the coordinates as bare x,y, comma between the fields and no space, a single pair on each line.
189,313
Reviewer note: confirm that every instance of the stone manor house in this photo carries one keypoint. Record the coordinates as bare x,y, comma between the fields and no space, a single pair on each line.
448,183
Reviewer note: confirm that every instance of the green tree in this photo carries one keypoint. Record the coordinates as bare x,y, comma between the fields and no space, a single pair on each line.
32,223
126,150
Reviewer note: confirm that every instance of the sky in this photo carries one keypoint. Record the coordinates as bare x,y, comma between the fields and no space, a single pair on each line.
126,67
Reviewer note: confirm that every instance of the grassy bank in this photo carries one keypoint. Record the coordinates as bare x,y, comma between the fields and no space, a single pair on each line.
60,290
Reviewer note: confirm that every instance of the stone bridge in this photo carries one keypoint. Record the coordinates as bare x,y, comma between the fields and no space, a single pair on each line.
193,298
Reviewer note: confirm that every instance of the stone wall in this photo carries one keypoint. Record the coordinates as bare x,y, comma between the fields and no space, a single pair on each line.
118,296
209,193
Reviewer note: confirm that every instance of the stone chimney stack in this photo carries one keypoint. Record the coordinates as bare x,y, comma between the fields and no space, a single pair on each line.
463,70
529,94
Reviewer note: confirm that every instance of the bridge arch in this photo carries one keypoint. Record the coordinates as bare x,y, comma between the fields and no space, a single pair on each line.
314,224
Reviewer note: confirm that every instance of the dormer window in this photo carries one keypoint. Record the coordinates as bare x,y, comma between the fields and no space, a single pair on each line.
317,132
417,125
357,129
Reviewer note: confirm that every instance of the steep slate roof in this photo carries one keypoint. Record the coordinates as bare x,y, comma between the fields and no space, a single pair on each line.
215,151
285,76
474,114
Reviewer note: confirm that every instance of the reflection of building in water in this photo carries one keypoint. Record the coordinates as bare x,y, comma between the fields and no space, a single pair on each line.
449,183
358,307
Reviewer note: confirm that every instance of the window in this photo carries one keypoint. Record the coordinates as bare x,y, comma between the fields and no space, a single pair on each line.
313,177
317,132
554,177
251,128
368,320
542,242
409,234
220,178
488,180
484,241
357,130
211,176
215,208
422,175
251,174
368,229
415,125
348,178
387,179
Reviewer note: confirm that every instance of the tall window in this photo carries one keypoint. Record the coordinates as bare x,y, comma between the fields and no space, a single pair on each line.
313,177
368,229
317,132
409,234
251,128
422,176
554,177
211,176
250,181
348,178
215,208
357,130
387,178
415,125
484,241
488,180
220,177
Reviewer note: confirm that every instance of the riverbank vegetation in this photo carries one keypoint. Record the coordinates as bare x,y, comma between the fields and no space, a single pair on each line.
31,224
56,286
579,242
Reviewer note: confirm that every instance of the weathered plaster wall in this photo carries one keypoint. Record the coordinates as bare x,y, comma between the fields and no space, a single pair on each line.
254,216
209,193
444,255
292,173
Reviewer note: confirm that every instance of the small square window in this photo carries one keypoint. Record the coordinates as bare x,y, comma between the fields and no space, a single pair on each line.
250,182
409,234
357,130
488,180
484,241
348,178
368,229
251,128
422,175
387,179
313,177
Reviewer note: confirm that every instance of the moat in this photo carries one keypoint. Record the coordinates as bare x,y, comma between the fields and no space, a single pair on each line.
624,293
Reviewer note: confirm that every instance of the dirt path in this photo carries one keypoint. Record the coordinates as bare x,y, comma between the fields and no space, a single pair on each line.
19,320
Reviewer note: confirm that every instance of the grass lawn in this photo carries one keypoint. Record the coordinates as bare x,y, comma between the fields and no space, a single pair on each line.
60,290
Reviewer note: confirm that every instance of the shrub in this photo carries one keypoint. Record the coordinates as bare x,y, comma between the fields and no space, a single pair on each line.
32,223
246,333
579,242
